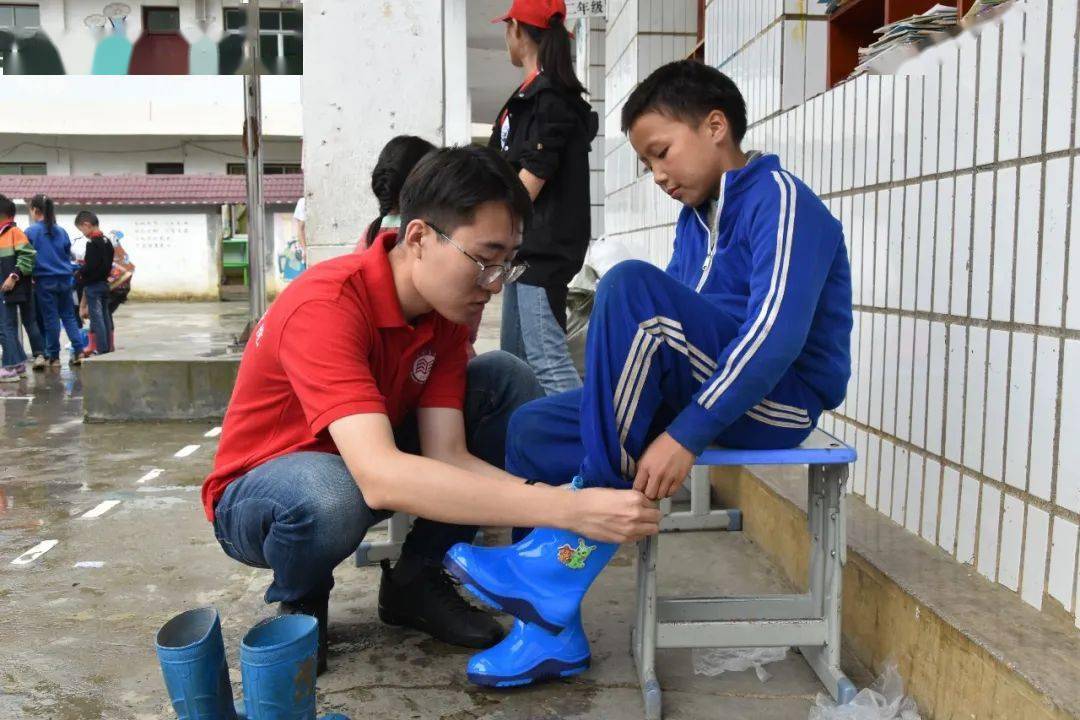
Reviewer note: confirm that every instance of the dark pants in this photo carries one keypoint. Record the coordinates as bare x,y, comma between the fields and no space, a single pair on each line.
101,324
302,514
30,318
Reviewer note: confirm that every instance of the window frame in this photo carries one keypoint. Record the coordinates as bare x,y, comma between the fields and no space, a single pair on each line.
161,165
273,168
146,20
14,7
22,167
279,34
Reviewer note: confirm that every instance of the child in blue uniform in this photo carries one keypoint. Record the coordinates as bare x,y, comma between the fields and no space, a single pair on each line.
743,341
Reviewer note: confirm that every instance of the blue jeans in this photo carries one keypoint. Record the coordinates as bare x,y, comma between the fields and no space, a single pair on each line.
101,324
55,296
10,336
531,332
302,514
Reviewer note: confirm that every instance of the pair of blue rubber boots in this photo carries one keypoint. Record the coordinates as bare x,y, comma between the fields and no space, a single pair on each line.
277,665
541,581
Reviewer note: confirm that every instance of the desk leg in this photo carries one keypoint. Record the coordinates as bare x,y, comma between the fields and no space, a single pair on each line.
825,508
644,635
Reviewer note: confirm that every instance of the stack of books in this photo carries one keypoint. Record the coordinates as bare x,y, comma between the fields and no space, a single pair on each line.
909,31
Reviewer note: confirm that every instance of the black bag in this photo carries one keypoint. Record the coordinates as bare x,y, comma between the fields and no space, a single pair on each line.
21,292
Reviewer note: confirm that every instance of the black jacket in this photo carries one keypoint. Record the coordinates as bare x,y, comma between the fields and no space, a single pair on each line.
550,133
99,258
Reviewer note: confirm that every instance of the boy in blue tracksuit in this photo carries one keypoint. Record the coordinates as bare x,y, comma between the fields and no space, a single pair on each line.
743,341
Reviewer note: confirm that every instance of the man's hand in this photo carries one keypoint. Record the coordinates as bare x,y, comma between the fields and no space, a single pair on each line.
614,515
662,468
9,284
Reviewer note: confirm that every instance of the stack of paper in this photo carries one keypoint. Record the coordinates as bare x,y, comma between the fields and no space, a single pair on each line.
906,32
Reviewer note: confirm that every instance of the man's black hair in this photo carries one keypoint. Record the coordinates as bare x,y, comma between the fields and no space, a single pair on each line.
448,185
687,90
85,216
7,207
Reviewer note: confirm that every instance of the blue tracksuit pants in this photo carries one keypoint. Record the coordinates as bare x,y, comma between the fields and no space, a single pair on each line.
652,343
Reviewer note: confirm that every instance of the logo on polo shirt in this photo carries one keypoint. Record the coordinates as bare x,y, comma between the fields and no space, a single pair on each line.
421,369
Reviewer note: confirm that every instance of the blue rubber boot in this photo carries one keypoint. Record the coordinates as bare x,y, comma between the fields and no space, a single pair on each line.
192,657
531,654
278,667
540,580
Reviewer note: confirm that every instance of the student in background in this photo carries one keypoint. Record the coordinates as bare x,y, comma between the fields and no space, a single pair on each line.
16,291
95,279
545,131
396,160
54,280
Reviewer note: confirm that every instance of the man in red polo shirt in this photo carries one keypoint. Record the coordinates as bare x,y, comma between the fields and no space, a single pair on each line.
355,398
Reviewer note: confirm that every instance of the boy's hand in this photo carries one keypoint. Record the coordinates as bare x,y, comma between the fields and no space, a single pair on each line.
9,283
663,467
614,515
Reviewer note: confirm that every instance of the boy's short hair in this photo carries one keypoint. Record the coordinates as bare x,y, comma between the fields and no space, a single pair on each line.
7,207
449,184
687,90
85,216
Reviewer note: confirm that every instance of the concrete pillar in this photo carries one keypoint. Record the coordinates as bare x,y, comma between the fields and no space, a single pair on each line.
372,71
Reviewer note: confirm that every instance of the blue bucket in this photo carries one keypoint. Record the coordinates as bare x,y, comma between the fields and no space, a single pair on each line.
278,664
192,657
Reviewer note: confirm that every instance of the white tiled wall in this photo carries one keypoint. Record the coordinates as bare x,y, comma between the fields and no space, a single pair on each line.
773,49
590,38
958,184
642,35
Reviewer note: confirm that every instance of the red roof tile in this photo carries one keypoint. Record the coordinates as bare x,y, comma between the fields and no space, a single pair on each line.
150,189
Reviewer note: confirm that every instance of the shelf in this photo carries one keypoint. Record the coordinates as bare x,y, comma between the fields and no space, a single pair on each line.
852,27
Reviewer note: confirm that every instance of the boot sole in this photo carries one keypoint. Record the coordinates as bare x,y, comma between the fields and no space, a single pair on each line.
518,607
547,670
388,617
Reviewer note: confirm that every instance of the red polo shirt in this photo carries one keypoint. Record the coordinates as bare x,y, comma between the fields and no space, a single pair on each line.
333,344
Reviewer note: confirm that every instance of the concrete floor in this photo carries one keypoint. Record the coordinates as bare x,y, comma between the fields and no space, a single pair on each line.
76,641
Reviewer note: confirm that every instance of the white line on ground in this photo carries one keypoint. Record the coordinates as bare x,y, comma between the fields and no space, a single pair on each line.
213,433
27,398
101,509
35,552
61,427
152,475
186,450
89,564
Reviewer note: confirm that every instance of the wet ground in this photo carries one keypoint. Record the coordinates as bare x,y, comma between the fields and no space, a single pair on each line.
103,539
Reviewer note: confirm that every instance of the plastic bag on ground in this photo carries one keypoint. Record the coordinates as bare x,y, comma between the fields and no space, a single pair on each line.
884,700
713,661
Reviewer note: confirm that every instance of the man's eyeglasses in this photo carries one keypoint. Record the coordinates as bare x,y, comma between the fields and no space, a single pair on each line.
489,274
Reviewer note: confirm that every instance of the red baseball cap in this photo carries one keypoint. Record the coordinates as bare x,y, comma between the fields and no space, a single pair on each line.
537,13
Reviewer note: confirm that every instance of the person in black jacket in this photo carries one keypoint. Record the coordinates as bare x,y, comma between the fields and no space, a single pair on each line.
545,130
94,277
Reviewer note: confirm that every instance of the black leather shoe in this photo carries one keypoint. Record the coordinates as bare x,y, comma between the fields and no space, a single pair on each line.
318,609
421,595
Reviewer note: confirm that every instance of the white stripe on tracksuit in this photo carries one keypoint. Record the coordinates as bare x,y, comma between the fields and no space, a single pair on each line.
650,336
759,331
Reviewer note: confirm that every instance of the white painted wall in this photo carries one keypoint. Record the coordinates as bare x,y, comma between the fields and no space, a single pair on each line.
395,86
113,155
132,105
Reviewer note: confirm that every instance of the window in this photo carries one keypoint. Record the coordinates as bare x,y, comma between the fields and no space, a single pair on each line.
161,20
268,168
15,168
164,168
281,44
19,17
